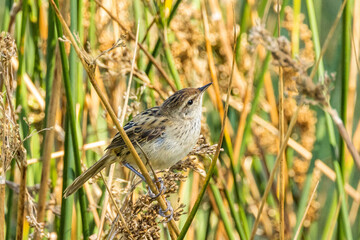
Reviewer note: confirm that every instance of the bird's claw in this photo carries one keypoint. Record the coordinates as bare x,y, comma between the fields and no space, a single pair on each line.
170,216
161,190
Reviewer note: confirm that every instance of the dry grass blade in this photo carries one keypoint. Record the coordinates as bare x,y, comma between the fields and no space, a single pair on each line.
306,210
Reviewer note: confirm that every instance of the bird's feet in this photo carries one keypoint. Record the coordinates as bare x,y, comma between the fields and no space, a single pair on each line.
162,213
161,188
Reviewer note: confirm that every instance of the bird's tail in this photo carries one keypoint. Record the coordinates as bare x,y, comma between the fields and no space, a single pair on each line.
104,161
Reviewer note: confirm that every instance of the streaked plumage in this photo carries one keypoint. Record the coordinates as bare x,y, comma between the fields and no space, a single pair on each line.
166,134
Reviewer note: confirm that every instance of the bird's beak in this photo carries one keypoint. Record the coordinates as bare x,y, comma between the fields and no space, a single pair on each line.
203,88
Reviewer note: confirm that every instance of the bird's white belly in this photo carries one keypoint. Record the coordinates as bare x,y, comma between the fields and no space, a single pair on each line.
164,152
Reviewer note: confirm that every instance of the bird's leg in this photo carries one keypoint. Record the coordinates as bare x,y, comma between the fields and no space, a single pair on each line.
159,180
134,171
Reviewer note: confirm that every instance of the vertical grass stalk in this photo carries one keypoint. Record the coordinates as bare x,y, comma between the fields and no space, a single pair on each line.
73,127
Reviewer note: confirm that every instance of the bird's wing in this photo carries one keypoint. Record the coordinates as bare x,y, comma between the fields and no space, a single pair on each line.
142,128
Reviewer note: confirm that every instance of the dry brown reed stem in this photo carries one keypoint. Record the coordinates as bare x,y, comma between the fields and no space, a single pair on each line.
59,154
344,134
328,172
212,69
270,95
7,51
276,165
306,210
90,67
148,29
226,44
242,123
112,167
21,158
211,59
2,167
46,157
151,58
281,136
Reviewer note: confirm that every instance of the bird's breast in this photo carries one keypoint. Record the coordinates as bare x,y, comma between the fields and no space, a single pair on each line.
176,142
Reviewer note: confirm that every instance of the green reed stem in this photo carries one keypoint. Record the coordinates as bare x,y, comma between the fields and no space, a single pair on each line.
50,59
6,16
138,14
80,71
171,65
222,211
243,234
68,176
332,214
296,28
344,210
345,73
73,127
244,22
315,35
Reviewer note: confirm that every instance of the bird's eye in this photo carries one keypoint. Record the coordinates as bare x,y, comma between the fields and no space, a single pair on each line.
190,102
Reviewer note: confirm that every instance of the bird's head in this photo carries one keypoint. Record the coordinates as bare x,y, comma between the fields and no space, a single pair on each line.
185,103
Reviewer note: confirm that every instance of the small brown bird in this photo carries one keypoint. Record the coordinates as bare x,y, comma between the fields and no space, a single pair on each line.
166,134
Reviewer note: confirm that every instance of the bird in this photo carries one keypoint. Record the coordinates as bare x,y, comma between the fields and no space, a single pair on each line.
165,133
